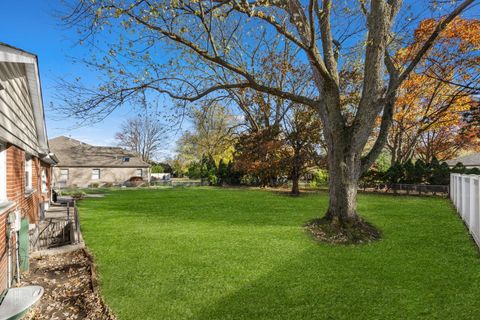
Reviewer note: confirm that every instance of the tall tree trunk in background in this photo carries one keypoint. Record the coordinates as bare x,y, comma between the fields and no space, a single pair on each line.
296,167
295,185
295,181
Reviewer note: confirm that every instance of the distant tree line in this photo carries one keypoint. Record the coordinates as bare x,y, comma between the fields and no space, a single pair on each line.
418,172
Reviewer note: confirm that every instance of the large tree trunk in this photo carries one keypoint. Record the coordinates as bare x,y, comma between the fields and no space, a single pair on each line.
341,223
344,169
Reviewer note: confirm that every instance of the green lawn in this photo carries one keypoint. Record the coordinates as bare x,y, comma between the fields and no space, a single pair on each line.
206,253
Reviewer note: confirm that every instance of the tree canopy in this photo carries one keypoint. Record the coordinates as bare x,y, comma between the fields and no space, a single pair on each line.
214,47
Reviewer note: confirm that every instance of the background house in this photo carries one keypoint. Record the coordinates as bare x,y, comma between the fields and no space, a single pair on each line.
469,161
25,159
83,165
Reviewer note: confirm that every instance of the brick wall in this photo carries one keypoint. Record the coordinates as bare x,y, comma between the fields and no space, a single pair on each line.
27,203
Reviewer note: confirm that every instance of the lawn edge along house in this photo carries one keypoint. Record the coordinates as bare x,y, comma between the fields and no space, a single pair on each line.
25,160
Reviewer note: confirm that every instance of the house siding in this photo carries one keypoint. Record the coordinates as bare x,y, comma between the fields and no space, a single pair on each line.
82,176
17,124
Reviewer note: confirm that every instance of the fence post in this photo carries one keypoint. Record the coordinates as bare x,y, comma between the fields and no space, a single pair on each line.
471,205
68,210
462,197
457,190
477,214
451,193
77,222
475,207
466,203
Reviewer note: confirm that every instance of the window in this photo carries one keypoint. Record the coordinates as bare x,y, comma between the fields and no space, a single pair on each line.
126,159
139,173
28,173
3,173
95,174
63,174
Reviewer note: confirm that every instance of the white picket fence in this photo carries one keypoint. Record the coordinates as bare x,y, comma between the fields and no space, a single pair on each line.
465,195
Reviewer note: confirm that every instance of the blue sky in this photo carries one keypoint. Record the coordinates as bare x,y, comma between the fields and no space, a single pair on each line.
31,25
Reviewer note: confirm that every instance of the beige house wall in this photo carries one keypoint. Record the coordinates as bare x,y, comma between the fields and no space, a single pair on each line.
82,176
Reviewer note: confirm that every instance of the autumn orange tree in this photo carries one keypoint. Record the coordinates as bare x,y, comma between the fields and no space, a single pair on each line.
261,154
429,119
447,142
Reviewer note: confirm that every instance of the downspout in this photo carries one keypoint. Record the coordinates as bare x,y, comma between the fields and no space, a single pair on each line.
17,252
12,229
9,256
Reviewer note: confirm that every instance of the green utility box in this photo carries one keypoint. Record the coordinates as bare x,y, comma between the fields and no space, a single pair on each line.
24,245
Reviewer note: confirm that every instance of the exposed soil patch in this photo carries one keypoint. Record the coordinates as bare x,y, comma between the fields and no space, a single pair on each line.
355,233
70,288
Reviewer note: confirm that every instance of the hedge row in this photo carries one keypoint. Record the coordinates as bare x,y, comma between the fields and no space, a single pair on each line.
433,173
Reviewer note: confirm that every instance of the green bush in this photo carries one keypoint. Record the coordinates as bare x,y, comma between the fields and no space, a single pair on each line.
234,177
394,174
459,168
207,170
157,169
212,179
195,170
473,171
421,173
320,178
434,173
382,163
439,174
409,173
372,179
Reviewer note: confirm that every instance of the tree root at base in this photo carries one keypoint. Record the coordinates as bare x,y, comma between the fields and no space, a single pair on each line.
353,232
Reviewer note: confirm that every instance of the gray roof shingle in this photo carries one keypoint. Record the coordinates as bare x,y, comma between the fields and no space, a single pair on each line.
468,160
74,153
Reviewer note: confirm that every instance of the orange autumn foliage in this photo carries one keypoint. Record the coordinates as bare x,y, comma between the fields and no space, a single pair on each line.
428,120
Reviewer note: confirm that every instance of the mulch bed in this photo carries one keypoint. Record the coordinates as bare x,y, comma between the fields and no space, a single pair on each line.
70,288
358,232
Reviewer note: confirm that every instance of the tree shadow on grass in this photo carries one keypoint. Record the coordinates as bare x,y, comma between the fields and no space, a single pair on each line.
349,283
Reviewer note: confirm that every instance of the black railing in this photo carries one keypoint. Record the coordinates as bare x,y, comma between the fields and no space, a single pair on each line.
57,231
419,188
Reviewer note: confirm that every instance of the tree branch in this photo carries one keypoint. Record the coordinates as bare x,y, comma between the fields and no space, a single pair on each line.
431,40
